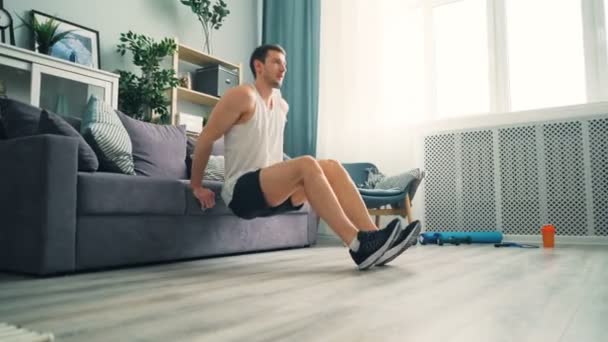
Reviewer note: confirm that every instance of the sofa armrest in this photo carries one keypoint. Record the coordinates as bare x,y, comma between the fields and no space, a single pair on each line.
38,177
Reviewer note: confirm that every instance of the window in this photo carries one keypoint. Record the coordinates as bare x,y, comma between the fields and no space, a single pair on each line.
545,53
372,78
461,57
403,86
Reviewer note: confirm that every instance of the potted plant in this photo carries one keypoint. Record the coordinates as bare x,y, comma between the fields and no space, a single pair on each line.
144,96
45,33
211,16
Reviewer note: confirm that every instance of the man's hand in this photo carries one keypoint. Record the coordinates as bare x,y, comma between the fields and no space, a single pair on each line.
205,196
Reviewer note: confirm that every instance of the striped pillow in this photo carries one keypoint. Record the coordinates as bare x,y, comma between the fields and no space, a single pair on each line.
215,169
104,131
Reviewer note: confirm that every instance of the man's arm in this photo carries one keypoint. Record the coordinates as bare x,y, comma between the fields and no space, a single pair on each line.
234,103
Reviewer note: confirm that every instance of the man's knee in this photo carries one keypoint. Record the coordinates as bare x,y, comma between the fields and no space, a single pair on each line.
308,166
330,167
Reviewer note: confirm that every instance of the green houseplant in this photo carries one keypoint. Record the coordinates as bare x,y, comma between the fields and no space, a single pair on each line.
211,16
144,96
45,33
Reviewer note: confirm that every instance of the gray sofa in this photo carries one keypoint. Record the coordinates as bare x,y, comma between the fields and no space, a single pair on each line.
55,219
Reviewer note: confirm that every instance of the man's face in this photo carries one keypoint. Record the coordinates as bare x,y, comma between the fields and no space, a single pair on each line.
274,68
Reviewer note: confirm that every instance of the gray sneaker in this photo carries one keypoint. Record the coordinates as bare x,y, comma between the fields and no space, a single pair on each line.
405,240
372,245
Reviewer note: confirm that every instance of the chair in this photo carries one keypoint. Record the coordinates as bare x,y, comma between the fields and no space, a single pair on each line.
380,201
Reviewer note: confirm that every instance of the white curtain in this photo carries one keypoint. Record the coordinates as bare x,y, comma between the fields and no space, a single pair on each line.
372,87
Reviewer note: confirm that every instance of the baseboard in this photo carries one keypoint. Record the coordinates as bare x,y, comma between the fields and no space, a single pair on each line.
328,239
560,240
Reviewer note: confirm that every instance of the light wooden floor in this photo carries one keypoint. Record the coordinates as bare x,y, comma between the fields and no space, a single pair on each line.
431,293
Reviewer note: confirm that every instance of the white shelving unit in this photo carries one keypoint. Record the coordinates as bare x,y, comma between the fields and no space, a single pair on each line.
187,54
52,83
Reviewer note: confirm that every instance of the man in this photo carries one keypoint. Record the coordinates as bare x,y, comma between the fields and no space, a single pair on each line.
259,183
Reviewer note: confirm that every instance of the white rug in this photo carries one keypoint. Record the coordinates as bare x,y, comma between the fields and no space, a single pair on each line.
11,333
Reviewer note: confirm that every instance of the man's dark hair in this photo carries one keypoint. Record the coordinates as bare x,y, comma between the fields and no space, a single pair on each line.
260,54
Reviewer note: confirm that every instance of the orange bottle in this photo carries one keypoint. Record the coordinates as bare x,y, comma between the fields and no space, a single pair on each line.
548,232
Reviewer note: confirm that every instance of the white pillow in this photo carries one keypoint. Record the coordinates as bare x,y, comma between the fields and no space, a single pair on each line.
215,169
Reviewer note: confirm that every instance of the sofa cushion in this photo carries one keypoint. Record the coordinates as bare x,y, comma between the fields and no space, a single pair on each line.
158,150
193,206
104,131
103,193
51,123
18,119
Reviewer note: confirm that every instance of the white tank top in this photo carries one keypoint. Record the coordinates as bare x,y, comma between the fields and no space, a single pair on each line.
255,144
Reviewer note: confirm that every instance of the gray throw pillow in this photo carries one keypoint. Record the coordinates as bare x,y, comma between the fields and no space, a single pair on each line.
18,119
158,150
374,176
51,123
410,178
104,131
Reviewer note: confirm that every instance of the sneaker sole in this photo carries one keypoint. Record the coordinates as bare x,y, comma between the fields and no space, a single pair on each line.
369,262
397,250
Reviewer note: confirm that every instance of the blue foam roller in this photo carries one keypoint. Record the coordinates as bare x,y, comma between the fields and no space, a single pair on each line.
428,238
476,237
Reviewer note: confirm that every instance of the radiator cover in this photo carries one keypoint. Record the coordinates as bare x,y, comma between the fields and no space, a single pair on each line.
516,178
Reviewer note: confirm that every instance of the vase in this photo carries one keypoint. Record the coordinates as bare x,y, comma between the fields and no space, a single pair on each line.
207,44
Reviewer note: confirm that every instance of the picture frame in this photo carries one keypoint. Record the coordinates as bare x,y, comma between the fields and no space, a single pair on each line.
80,46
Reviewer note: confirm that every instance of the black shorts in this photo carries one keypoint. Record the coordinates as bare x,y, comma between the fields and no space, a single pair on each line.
248,201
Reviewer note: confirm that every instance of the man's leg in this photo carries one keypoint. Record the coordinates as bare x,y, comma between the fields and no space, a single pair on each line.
347,194
280,181
343,187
